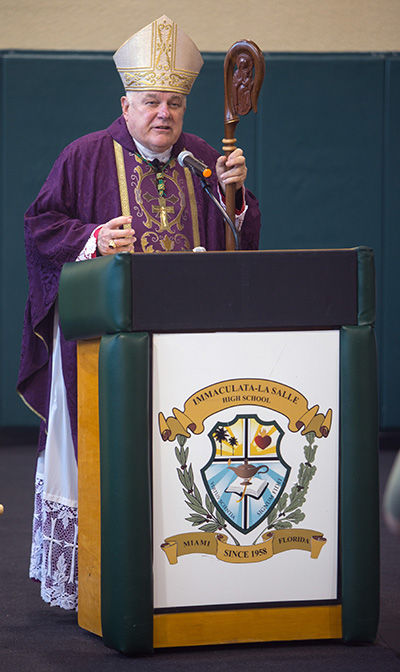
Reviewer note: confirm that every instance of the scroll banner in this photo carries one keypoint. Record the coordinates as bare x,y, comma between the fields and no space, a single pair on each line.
240,392
216,544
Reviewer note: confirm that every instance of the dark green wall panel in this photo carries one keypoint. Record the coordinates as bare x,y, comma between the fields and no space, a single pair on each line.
322,143
389,296
323,155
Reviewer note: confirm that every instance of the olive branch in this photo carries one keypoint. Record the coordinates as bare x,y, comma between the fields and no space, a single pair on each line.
287,511
208,518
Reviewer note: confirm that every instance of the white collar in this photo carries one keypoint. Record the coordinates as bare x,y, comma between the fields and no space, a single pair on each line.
148,154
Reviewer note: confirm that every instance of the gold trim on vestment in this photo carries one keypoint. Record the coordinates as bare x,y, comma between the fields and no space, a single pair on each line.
39,415
36,333
31,408
123,187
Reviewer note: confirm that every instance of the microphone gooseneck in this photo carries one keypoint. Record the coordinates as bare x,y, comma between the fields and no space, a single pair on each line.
187,159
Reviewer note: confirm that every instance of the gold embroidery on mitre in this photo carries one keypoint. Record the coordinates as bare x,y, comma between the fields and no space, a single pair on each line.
146,80
160,57
163,46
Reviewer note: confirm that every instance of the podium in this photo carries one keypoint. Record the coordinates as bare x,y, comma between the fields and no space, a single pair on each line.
227,446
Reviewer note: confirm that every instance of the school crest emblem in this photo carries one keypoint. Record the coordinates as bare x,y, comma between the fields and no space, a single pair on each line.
246,474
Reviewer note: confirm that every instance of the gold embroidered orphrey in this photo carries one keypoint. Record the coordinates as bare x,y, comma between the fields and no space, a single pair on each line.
160,230
168,232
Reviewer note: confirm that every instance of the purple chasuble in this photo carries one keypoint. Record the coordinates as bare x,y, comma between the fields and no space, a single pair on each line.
82,192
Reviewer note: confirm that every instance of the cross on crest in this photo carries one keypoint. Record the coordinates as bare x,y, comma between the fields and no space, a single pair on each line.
246,474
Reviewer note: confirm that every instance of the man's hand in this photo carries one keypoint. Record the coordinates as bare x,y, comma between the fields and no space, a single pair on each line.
113,239
231,169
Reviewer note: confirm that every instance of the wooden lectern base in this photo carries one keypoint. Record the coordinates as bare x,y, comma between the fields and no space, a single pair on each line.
89,540
174,629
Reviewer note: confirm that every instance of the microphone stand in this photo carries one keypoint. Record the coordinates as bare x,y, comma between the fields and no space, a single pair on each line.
207,189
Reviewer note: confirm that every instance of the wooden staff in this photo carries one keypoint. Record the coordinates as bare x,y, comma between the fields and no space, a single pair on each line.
241,95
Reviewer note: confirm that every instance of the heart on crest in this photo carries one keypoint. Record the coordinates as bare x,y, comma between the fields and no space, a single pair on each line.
262,441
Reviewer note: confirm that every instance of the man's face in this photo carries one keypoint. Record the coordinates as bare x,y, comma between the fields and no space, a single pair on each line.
154,118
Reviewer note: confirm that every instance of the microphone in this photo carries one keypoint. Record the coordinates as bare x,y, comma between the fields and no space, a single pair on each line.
186,158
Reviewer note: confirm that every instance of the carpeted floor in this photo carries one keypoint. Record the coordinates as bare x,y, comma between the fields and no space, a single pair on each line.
37,638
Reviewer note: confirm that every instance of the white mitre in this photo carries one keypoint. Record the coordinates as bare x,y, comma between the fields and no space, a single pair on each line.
160,57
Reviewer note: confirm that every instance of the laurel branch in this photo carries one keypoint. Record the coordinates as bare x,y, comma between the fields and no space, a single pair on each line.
208,518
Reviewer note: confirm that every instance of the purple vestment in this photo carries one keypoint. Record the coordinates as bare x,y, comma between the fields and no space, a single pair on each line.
80,194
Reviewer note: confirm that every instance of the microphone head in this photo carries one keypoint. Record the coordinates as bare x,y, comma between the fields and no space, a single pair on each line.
182,156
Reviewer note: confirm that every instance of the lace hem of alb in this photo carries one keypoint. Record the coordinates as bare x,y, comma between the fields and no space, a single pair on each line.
54,551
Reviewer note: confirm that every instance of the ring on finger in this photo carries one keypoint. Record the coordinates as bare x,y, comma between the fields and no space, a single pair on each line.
112,244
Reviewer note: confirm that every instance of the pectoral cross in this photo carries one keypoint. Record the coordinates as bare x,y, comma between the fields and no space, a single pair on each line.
163,209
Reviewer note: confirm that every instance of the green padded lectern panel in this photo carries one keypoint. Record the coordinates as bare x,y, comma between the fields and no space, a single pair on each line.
126,539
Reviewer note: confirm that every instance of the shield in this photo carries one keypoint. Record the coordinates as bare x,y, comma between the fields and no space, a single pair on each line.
246,474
